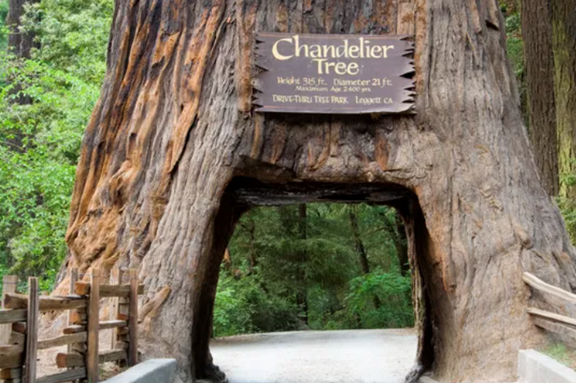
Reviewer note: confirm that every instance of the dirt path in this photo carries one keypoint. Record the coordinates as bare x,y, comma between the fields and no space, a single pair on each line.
359,356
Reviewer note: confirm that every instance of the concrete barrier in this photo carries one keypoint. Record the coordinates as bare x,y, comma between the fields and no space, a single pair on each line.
535,367
150,371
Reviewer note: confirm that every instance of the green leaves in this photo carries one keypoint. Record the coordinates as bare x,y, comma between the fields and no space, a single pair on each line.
40,143
45,104
3,29
73,35
288,264
393,294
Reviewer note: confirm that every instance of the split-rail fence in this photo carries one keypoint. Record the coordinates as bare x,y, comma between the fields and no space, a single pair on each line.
19,328
564,327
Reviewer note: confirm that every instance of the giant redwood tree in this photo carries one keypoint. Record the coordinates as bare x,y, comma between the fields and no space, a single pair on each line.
174,154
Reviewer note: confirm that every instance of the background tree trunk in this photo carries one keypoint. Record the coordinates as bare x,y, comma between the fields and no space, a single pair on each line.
539,60
401,244
302,295
173,156
360,249
564,44
19,42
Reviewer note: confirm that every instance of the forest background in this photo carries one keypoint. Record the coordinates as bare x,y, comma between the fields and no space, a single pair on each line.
315,266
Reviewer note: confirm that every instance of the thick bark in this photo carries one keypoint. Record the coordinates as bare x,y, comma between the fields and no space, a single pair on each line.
539,59
564,43
172,156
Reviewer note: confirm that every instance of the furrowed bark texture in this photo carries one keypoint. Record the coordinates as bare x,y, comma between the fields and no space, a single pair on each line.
537,34
173,156
564,44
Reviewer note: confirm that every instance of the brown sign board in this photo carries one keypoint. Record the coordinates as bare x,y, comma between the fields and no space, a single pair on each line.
334,74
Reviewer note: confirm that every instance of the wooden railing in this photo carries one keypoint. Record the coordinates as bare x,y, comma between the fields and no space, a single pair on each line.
559,324
21,314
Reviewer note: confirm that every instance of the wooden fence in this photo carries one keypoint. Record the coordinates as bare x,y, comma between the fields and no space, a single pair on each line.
561,325
21,314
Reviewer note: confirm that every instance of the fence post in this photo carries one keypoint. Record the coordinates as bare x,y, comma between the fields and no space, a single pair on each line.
32,331
117,275
9,283
92,359
122,337
73,280
133,321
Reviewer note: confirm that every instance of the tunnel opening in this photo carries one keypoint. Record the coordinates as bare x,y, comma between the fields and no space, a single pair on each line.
244,196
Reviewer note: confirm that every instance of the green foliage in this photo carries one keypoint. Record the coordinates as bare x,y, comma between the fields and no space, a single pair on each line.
242,306
568,209
393,292
73,35
232,312
41,142
45,104
515,50
561,353
288,268
567,204
3,29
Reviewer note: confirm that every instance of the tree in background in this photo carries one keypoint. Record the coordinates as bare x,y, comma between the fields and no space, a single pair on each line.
40,139
20,40
537,34
351,275
3,28
564,47
549,29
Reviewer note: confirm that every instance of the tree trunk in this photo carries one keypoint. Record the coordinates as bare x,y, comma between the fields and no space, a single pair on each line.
358,240
537,35
173,156
19,42
398,233
250,228
361,250
302,295
564,43
401,244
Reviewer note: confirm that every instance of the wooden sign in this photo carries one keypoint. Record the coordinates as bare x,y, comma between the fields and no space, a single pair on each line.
334,74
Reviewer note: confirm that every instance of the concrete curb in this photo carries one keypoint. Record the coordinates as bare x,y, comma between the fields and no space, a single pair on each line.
150,371
535,367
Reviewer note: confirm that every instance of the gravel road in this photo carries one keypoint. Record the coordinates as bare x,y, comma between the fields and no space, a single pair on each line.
357,356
